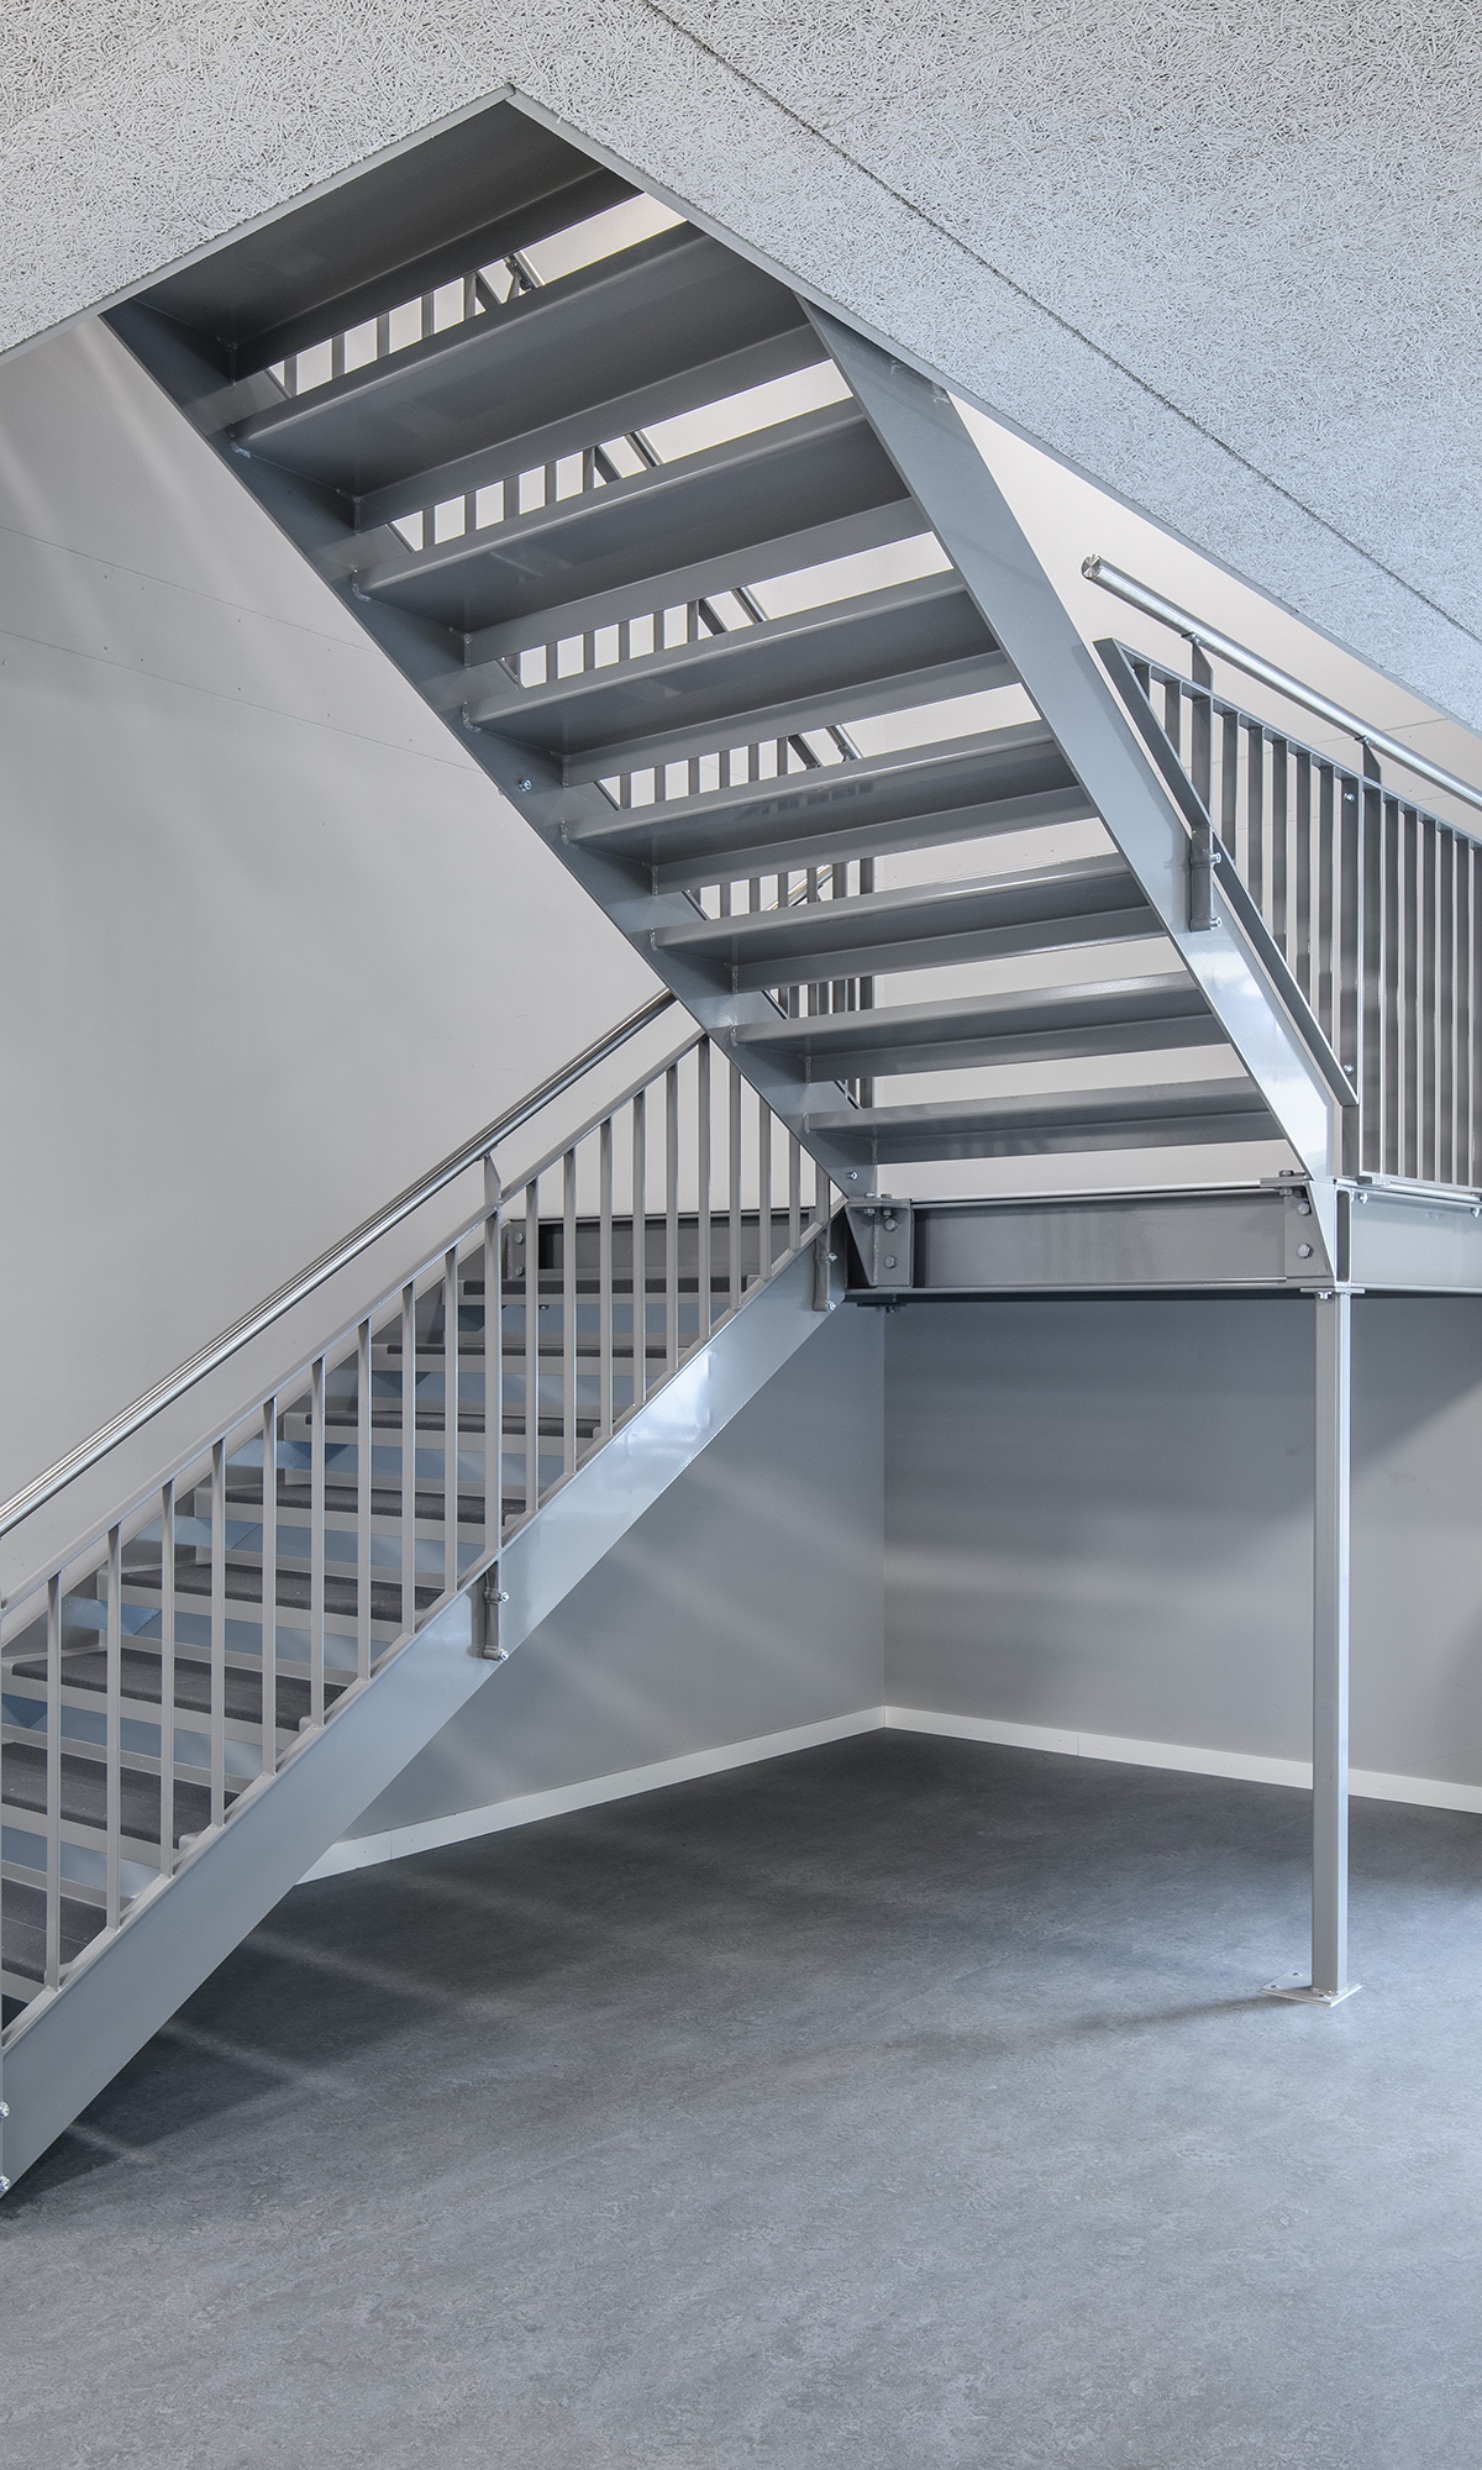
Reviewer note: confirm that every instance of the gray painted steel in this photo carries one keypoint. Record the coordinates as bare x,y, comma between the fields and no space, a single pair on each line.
68,2045
1331,1553
931,438
975,787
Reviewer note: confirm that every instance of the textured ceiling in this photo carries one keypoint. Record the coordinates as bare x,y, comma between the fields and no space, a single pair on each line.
1220,253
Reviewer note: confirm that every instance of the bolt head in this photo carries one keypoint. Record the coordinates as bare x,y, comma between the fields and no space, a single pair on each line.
854,1174
524,784
1304,1252
890,1260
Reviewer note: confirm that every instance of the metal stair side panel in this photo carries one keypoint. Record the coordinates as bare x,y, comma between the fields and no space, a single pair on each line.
930,438
72,2043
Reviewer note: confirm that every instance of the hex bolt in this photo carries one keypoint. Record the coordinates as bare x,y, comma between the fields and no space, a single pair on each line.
1304,1252
890,1260
524,784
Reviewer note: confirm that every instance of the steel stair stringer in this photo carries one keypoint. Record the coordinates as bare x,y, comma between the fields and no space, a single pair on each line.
72,2041
931,438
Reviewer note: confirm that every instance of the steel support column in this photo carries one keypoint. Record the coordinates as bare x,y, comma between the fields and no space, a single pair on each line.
1333,1397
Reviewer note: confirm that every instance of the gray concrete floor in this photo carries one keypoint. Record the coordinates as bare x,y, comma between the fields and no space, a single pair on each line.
896,2105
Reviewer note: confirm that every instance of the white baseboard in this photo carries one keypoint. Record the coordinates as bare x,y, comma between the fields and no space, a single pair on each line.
1365,1783
358,1852
365,1851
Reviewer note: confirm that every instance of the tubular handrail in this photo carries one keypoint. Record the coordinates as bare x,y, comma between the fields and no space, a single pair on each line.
220,1350
1167,612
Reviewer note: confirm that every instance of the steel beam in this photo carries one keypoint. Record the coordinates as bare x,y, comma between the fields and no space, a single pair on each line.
941,447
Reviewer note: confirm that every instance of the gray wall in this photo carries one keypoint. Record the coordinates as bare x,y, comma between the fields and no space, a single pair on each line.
269,943
1217,256
747,1601
1098,1520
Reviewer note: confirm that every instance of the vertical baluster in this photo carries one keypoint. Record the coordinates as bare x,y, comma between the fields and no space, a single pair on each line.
53,1962
383,336
1469,1011
1281,922
1371,976
1393,983
1446,1095
671,1219
735,1179
167,1677
640,1250
450,1420
1201,716
112,1721
337,356
1324,933
365,1503
429,314
532,1348
1426,935
763,1188
316,1539
407,1483
795,1191
218,1633
1348,928
268,1625
1302,955
702,1191
493,1360
568,1313
605,1404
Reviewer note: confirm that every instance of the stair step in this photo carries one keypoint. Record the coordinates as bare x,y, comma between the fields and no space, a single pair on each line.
85,1794
1003,780
655,330
464,198
775,501
1115,1016
1164,1115
140,1674
878,652
1088,901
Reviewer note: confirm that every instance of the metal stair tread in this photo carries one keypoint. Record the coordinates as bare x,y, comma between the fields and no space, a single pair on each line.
873,652
999,781
1104,1016
1163,1114
821,468
522,373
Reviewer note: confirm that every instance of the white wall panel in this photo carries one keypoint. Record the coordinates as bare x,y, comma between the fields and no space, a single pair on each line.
1098,1522
269,943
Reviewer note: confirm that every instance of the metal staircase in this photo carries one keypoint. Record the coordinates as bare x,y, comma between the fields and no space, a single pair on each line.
325,1577
728,603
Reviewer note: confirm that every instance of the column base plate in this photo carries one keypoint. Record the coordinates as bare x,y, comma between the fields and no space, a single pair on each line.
1303,1993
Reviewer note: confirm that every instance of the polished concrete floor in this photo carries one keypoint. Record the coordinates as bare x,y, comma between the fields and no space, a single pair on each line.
901,2104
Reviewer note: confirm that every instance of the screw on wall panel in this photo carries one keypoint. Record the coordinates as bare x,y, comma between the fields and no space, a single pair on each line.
854,1174
890,1260
1304,1209
1304,1252
524,784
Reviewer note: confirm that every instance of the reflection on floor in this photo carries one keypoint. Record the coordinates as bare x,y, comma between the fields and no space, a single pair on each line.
905,2103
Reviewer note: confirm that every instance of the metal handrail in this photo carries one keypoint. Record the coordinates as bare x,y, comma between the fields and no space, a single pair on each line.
1209,639
132,1419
